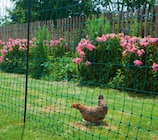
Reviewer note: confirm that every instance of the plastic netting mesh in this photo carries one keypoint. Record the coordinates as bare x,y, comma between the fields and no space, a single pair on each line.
76,53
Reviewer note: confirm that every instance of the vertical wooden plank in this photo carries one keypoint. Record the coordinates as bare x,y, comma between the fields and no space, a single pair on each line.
113,22
136,16
156,21
1,32
118,22
146,22
70,25
141,18
79,22
131,19
74,23
127,14
67,24
122,22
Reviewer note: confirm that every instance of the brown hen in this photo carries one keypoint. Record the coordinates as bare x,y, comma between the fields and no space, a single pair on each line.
93,114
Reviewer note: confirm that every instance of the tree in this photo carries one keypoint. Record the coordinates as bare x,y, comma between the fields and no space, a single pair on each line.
121,5
49,9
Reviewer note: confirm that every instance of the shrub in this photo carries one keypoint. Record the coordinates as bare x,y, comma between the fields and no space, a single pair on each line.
119,61
39,53
62,68
139,56
13,55
97,26
58,48
102,60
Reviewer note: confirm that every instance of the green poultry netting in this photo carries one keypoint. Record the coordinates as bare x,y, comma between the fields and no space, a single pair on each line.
77,70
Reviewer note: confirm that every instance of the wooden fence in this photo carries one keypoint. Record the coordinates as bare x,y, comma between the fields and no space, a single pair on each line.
147,22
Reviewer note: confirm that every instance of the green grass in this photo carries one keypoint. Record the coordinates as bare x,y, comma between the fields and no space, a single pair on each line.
50,116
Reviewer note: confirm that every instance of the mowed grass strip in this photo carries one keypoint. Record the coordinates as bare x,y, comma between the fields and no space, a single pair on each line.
49,112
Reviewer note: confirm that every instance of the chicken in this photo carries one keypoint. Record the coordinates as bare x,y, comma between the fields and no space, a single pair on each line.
93,114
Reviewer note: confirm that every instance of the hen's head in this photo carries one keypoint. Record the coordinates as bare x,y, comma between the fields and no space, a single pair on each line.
101,97
77,106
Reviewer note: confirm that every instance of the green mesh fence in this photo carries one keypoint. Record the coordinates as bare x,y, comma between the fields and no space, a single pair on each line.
57,60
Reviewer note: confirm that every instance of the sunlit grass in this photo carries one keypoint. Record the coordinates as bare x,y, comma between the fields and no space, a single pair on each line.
50,116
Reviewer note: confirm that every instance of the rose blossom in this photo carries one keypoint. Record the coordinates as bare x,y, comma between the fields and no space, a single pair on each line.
137,62
155,67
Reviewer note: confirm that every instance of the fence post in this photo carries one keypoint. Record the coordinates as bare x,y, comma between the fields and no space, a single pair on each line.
27,59
156,19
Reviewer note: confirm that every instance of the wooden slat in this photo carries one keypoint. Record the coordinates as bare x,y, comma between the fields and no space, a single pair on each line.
156,22
127,16
121,20
146,22
118,22
141,18
151,22
131,19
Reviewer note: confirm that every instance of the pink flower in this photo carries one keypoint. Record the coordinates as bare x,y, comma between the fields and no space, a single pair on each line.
112,35
143,42
123,44
1,58
103,38
90,47
77,60
153,40
54,43
124,53
84,44
137,62
4,51
87,36
133,39
61,39
88,63
1,42
66,45
82,54
133,49
121,34
155,67
140,52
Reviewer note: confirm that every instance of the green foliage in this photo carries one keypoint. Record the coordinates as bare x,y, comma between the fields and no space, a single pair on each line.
49,112
39,53
46,9
59,50
117,81
61,69
134,29
97,26
14,61
111,67
141,78
105,60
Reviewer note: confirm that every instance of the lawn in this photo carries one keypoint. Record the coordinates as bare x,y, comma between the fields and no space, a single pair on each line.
50,116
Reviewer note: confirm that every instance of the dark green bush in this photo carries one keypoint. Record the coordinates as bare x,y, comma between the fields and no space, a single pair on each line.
39,54
105,62
14,61
62,68
97,27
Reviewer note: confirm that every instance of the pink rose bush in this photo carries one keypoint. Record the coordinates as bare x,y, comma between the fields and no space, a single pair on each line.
83,45
131,45
13,52
111,59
